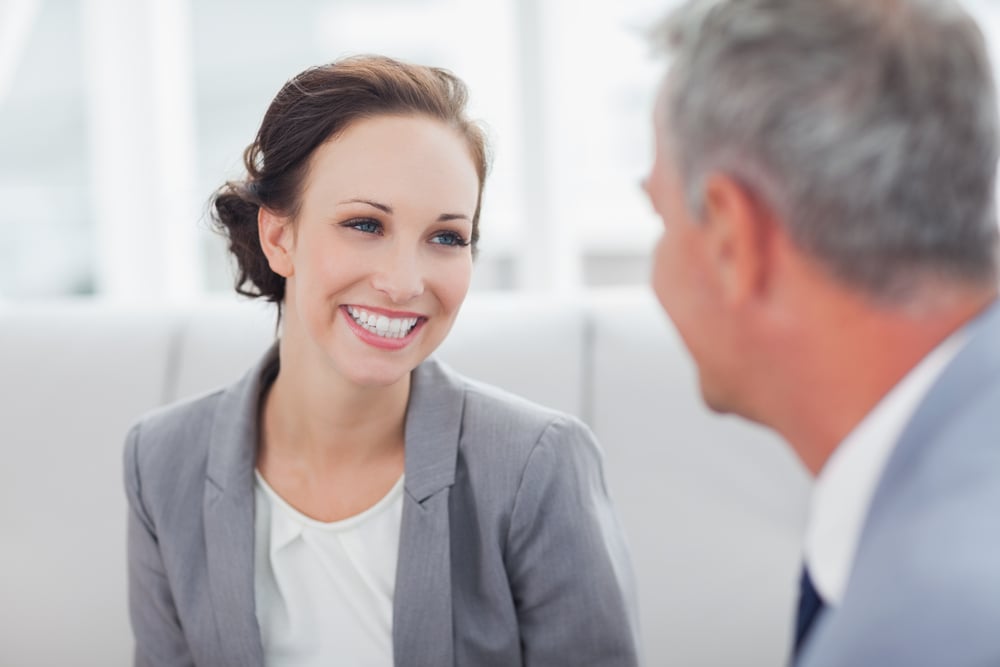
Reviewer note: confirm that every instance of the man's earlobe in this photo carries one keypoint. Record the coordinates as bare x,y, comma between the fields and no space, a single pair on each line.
276,241
738,227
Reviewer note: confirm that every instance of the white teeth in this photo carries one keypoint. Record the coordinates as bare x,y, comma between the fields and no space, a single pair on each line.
387,327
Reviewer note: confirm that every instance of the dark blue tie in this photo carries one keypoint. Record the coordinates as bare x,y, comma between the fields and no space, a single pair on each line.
810,605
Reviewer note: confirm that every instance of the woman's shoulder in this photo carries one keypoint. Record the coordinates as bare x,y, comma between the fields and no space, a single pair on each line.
492,406
174,437
498,423
178,420
182,429
488,402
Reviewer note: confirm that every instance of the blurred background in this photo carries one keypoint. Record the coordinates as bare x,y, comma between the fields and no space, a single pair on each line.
118,118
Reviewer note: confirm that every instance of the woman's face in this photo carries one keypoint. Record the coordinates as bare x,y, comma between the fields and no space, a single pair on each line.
378,259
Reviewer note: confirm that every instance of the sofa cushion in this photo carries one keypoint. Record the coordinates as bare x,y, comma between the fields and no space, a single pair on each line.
714,506
75,375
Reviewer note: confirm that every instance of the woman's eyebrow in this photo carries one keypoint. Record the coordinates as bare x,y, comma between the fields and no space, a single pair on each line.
382,207
385,208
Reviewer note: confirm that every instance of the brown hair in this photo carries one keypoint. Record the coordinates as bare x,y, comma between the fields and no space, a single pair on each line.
311,108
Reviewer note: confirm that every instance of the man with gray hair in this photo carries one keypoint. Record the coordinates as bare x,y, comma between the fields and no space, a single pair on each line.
825,171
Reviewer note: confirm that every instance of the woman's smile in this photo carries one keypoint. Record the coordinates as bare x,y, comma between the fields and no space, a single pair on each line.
385,329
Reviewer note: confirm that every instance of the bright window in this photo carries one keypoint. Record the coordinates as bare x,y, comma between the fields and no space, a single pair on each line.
118,118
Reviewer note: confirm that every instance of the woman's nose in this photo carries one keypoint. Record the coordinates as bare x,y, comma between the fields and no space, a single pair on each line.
400,276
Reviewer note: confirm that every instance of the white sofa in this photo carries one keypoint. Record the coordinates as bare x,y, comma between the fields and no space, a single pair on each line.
712,506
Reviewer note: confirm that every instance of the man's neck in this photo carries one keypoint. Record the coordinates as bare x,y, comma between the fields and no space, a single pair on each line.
847,355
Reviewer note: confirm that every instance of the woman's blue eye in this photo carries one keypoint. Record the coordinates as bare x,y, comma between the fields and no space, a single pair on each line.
450,239
365,225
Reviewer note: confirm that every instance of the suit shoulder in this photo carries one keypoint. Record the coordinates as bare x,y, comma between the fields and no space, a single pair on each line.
492,405
173,433
178,418
499,425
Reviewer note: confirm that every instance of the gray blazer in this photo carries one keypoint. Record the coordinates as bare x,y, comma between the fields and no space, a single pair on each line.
925,587
509,554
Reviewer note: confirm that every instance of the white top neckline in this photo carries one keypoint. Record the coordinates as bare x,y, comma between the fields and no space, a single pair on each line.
342,524
324,590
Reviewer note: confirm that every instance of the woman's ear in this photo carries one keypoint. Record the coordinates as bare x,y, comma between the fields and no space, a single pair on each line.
277,240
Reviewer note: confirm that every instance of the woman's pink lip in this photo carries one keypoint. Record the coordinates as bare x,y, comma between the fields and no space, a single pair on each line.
378,341
397,314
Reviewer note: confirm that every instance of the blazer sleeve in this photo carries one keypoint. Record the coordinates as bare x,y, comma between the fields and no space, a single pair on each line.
567,561
159,638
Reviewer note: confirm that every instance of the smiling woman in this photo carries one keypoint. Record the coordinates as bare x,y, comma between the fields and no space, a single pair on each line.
382,223
350,500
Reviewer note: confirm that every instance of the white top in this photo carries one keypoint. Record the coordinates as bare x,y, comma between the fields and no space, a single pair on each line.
846,484
324,591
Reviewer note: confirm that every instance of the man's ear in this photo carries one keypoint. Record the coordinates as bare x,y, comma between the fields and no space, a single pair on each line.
277,240
739,227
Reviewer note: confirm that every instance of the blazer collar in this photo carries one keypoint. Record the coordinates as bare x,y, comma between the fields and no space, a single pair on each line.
433,426
423,634
422,617
232,454
970,373
228,508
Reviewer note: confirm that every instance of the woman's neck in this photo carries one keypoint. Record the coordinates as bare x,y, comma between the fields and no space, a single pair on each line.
320,419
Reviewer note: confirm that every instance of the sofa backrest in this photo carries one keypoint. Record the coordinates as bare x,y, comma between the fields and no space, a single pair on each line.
72,378
712,506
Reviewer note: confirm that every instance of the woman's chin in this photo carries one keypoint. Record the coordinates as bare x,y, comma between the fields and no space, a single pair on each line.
377,375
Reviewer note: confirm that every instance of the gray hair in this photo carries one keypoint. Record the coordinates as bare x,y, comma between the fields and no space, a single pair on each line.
870,126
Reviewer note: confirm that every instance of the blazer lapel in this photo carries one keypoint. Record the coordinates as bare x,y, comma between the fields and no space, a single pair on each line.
422,609
229,518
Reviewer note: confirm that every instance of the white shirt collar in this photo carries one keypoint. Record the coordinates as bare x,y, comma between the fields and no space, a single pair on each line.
846,484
